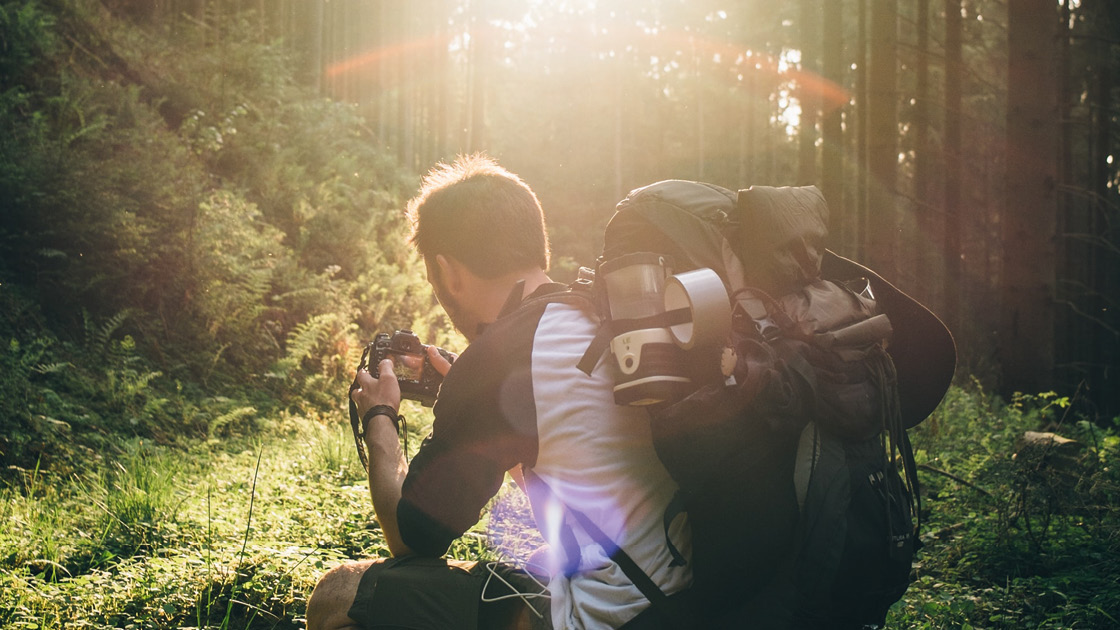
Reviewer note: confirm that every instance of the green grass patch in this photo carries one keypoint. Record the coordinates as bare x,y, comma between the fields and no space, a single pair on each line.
234,533
224,534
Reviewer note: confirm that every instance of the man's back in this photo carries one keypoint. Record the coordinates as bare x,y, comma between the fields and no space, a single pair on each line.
518,387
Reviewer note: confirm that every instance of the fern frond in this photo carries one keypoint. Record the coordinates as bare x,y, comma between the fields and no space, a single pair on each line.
51,368
97,337
307,336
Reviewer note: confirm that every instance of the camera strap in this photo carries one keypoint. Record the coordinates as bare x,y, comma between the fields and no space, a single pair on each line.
358,424
355,421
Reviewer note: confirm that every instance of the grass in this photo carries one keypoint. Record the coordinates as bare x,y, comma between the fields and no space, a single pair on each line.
226,535
234,533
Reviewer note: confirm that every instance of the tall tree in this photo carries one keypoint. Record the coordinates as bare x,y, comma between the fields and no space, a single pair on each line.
832,135
882,136
810,92
860,211
926,264
478,76
316,58
1029,223
952,159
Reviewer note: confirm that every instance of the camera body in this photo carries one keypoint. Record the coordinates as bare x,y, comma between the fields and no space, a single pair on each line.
418,378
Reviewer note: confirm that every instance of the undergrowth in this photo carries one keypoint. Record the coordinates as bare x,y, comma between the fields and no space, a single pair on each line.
1021,529
234,532
229,533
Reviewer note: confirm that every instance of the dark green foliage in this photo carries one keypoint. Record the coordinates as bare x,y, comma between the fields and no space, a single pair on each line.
1020,530
26,36
189,237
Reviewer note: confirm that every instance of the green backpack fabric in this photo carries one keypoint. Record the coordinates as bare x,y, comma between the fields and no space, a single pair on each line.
787,460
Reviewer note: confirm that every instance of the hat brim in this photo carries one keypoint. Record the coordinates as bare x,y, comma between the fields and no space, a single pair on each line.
923,349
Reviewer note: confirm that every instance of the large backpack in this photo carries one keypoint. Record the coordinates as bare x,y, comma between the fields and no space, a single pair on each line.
788,457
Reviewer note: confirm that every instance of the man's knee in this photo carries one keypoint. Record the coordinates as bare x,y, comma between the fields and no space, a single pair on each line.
333,596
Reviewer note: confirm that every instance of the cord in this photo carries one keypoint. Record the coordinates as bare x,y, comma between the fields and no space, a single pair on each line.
525,597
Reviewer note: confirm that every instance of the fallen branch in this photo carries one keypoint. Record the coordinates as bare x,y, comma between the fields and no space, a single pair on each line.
955,478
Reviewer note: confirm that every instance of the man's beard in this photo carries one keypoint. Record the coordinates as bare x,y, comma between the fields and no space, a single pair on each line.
452,308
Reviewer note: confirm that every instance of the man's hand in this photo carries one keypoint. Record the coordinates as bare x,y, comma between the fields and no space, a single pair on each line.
383,390
441,364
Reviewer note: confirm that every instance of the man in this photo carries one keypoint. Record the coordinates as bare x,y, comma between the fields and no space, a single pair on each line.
514,401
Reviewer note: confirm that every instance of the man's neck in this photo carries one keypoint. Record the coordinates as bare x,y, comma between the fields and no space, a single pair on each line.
494,292
533,281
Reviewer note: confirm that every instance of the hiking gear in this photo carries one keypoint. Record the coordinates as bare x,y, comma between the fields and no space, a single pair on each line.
654,317
784,447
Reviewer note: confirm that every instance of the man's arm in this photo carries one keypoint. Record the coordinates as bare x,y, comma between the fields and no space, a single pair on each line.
387,465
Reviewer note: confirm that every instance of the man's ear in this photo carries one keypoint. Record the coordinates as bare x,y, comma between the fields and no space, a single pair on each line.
450,274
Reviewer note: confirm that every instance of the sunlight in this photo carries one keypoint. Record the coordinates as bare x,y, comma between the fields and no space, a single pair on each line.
573,38
373,56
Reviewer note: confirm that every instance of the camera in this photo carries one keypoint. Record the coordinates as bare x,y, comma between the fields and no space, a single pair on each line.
418,378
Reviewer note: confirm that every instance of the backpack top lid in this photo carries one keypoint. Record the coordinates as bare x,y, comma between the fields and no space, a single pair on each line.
775,236
689,221
781,235
772,238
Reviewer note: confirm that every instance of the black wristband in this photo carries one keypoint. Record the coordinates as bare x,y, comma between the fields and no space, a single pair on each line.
381,410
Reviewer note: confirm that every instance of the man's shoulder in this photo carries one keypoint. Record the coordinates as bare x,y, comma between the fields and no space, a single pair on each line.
520,324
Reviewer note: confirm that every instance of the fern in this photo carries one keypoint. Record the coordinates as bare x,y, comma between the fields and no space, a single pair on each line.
229,418
97,337
303,340
52,368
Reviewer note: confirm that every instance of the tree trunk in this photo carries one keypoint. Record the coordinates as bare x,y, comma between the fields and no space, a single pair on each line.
882,138
479,61
832,135
700,146
860,201
810,94
384,73
1029,224
316,58
1102,323
952,161
927,264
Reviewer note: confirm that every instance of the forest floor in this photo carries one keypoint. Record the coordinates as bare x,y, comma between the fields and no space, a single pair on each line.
226,534
234,533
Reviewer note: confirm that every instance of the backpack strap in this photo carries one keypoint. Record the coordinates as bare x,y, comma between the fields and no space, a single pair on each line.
677,506
672,614
513,300
612,328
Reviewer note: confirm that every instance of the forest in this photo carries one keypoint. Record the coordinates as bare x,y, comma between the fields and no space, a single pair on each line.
203,225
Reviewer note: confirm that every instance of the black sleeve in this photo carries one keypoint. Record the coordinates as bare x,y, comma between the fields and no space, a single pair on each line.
485,424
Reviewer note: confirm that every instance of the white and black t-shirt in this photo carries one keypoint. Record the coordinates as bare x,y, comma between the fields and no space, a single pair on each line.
515,396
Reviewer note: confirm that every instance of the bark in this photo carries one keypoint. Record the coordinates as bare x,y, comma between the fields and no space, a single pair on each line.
882,138
832,138
1029,224
952,160
860,202
810,95
926,264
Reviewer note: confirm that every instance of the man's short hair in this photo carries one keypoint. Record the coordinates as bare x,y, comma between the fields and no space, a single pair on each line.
480,214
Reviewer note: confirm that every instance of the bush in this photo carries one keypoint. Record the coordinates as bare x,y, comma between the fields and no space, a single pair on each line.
250,230
1020,516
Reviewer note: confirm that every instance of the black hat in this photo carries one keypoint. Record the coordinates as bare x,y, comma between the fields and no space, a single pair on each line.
922,347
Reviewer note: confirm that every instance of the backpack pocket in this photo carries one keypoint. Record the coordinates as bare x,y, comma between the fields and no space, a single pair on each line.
879,547
857,537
